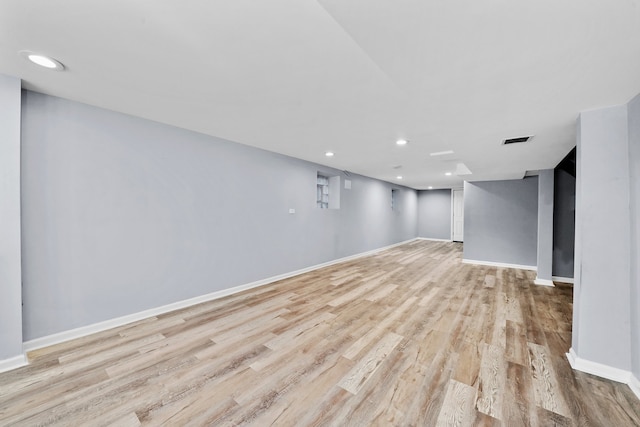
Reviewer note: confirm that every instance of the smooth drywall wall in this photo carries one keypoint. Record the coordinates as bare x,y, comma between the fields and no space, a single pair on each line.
564,223
545,225
633,113
10,269
434,214
601,331
122,214
501,221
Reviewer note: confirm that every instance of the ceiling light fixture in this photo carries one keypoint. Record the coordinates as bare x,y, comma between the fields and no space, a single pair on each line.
401,142
399,176
441,153
448,174
42,60
430,187
329,154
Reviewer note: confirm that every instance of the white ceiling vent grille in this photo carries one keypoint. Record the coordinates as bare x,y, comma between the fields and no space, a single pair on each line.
517,140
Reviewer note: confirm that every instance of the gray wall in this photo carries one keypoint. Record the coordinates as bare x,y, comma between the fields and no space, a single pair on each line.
501,221
634,170
545,225
564,211
10,271
601,317
434,214
122,214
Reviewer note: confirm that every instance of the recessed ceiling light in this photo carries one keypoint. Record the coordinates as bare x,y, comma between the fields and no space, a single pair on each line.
329,154
448,173
399,176
42,60
402,142
430,187
441,153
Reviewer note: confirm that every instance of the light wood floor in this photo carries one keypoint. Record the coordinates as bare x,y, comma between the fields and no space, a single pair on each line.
410,336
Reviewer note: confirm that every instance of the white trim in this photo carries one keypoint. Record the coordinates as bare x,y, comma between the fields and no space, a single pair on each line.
13,363
598,369
571,357
123,320
562,279
500,264
434,240
634,385
543,282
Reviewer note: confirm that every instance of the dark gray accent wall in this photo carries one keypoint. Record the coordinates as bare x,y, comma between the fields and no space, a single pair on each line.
564,222
545,225
10,257
122,215
501,221
434,214
634,175
601,320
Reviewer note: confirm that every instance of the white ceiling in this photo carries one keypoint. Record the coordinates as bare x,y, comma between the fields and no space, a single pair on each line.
301,77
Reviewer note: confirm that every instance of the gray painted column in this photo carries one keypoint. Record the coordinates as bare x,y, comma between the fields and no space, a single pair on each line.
634,171
545,228
10,257
601,309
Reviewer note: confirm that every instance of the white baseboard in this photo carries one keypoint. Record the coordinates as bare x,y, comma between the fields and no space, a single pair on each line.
13,363
434,240
123,320
634,385
571,357
598,369
543,282
500,264
562,279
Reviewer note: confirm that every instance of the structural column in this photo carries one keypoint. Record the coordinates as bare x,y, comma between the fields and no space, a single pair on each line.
11,355
545,228
601,294
634,199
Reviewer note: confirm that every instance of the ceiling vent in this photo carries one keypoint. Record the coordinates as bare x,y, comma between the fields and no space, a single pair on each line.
517,140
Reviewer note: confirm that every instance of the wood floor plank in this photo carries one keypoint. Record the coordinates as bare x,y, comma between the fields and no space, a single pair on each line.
458,408
361,372
545,383
468,369
381,292
492,381
516,349
407,336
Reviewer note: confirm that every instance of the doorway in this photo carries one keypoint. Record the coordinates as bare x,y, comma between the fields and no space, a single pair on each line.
457,219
